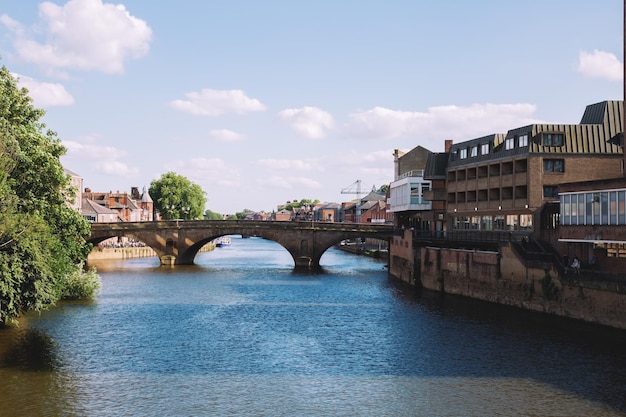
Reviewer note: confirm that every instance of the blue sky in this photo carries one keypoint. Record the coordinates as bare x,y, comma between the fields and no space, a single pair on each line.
261,102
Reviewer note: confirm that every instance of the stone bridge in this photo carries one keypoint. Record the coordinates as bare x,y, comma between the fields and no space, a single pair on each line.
177,242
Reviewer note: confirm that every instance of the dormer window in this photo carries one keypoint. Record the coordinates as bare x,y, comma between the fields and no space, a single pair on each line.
509,143
474,151
553,139
484,149
463,153
522,141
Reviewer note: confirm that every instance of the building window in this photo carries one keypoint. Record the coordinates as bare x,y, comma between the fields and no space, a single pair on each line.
553,139
484,149
463,153
553,165
526,222
550,191
522,141
474,151
509,143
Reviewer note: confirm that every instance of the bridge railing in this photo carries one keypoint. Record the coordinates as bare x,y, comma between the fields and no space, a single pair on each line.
247,224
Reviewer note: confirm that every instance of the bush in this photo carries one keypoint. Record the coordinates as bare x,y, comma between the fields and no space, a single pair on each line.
81,285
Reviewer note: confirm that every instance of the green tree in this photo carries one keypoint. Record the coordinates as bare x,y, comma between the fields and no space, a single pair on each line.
42,239
211,215
302,203
383,189
176,197
241,215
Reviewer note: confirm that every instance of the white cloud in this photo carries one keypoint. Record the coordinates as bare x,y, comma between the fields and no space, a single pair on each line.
290,164
600,64
13,25
45,95
100,159
225,135
310,122
207,172
207,102
115,168
440,123
289,183
83,34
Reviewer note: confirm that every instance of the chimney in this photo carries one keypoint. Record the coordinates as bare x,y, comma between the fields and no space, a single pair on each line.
448,142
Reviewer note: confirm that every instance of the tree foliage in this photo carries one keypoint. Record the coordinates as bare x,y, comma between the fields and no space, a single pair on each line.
176,197
302,203
211,215
42,239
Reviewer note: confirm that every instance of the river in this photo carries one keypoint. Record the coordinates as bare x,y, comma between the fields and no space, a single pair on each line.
242,333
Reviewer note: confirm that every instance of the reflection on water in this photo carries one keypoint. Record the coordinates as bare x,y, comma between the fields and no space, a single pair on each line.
241,333
33,350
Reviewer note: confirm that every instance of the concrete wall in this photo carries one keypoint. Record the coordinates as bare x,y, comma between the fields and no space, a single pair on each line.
500,277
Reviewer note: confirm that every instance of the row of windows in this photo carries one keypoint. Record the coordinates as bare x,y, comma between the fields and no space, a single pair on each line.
492,194
504,168
491,170
547,139
594,208
505,222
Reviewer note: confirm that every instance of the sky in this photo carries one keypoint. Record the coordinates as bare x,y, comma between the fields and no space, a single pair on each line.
264,102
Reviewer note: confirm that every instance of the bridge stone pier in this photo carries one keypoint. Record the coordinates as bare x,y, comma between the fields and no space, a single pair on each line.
177,242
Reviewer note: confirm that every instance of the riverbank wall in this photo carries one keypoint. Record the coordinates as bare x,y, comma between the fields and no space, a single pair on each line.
99,253
120,253
500,276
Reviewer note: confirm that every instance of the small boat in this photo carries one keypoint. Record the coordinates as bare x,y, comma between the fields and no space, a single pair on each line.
222,241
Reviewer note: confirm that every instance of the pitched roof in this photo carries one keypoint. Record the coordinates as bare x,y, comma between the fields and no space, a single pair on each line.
90,206
373,196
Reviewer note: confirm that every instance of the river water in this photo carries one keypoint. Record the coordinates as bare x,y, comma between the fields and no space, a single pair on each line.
241,333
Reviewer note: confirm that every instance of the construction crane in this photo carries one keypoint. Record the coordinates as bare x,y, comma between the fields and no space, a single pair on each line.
355,188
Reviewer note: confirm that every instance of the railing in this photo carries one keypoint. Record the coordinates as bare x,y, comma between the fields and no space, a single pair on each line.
412,173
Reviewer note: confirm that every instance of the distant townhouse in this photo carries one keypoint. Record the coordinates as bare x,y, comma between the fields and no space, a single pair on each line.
96,213
283,215
133,207
328,212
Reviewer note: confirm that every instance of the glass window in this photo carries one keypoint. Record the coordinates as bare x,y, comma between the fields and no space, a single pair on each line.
509,143
613,207
484,149
553,139
486,223
574,219
498,223
526,221
565,208
588,208
474,151
522,141
621,207
553,165
604,208
511,222
550,191
581,209
463,153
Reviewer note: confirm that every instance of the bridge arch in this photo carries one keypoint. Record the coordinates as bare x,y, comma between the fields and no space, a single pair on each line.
177,242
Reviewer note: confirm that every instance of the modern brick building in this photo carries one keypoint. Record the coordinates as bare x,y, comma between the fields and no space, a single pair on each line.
510,182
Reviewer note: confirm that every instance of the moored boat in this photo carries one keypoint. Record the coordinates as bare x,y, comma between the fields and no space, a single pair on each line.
222,241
